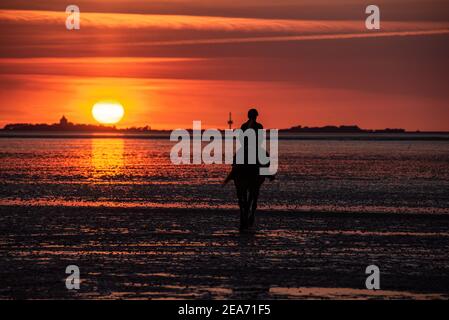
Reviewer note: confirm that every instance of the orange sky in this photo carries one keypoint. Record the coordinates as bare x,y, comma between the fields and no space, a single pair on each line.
169,63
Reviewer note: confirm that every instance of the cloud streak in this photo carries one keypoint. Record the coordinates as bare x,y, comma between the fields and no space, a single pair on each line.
298,38
202,23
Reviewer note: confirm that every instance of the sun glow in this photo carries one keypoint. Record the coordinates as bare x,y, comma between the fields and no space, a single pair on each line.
108,112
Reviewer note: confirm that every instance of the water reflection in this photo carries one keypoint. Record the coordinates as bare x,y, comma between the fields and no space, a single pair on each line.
318,176
107,157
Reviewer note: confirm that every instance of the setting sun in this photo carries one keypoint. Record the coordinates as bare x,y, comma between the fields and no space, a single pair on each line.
108,112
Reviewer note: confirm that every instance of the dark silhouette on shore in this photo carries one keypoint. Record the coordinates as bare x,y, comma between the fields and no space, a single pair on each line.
246,176
65,126
340,129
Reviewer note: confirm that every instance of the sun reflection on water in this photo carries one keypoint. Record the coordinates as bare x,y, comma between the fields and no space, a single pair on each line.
107,157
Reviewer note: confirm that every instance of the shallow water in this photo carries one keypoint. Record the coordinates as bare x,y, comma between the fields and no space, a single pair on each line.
323,175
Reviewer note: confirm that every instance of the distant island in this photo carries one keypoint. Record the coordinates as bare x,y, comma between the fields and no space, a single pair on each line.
65,126
340,129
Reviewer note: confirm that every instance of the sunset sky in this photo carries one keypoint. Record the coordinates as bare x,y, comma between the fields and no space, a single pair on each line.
308,62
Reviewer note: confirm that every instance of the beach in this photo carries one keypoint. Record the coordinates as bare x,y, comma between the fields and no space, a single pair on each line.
139,227
153,253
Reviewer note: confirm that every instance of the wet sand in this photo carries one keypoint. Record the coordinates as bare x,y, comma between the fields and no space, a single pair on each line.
138,253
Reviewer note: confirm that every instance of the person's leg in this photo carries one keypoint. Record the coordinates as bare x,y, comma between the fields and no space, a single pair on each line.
242,195
254,196
244,211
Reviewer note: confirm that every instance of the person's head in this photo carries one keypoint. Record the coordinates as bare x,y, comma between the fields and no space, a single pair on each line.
252,114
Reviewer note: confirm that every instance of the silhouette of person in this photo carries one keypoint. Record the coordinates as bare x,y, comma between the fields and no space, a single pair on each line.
246,175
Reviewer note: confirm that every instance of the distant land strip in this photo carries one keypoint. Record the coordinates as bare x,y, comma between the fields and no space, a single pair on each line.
408,136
